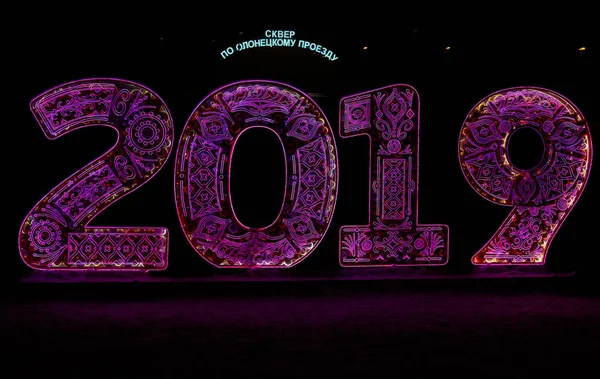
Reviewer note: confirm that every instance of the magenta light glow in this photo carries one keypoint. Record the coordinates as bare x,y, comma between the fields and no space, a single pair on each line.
541,197
389,116
55,234
203,166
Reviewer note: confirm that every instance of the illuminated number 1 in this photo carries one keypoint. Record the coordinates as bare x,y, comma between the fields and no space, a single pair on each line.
55,235
541,197
203,166
389,116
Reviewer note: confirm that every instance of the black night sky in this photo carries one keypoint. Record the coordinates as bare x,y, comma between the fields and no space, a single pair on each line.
195,320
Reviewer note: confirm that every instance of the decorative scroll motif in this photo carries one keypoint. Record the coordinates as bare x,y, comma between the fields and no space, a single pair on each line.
80,199
86,102
389,117
55,235
203,178
119,249
394,189
312,176
203,173
541,197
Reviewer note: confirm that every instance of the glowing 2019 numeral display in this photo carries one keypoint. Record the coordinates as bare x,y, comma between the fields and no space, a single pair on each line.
389,116
203,167
541,197
55,235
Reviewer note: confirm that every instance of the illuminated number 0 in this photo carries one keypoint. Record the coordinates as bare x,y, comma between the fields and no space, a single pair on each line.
541,197
389,116
203,165
54,235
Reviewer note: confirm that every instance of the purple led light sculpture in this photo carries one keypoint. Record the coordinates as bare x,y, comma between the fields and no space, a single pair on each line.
389,116
55,234
541,197
202,175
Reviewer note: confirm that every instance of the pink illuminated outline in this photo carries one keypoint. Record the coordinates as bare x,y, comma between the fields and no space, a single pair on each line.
55,234
393,236
542,196
202,175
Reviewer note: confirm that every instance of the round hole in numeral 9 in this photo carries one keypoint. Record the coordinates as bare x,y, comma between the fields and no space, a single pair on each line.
525,148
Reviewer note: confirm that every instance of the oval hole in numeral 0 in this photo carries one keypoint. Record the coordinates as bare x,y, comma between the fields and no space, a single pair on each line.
542,196
202,174
55,235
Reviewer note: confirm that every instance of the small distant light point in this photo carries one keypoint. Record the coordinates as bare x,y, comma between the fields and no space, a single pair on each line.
365,47
447,48
582,48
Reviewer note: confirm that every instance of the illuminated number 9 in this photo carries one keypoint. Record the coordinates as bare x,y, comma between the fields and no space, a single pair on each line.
541,197
54,235
203,166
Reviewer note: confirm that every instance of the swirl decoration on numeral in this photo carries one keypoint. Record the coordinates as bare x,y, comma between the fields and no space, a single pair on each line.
541,197
203,169
55,235
389,116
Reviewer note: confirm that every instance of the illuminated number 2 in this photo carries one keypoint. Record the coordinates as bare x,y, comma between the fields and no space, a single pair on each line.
389,116
203,166
54,235
541,197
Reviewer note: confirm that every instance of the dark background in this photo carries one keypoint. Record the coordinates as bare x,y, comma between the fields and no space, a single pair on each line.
184,65
470,327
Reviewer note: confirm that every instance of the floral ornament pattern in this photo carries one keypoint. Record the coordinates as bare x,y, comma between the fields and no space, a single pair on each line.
203,174
542,196
55,234
389,116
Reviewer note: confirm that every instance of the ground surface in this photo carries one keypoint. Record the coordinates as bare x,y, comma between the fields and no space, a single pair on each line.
368,330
